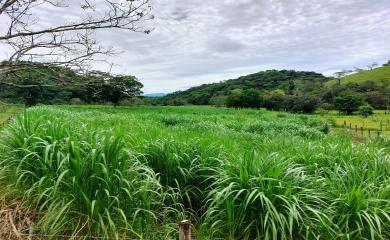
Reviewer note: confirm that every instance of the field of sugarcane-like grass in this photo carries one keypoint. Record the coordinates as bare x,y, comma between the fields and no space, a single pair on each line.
236,174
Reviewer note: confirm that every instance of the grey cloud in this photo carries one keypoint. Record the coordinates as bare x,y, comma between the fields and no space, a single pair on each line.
224,44
196,41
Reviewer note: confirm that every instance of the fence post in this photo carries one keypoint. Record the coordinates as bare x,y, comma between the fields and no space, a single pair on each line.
345,123
361,129
185,230
350,125
379,134
369,132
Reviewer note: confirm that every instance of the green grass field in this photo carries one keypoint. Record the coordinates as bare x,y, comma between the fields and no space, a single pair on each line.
381,75
236,174
7,110
378,122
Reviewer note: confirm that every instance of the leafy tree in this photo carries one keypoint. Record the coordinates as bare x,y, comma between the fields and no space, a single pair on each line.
377,99
366,110
250,98
46,84
274,100
218,100
327,106
199,98
292,82
30,96
348,103
234,98
302,104
120,87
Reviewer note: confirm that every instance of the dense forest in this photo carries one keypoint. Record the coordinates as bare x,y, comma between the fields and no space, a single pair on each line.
287,90
290,90
35,83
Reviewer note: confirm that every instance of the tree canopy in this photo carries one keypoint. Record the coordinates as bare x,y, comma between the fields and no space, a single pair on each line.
56,85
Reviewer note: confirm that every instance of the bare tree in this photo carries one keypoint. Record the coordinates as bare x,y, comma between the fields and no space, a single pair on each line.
372,65
71,44
341,74
358,70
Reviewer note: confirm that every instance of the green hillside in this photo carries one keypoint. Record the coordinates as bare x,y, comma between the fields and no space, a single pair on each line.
289,81
380,75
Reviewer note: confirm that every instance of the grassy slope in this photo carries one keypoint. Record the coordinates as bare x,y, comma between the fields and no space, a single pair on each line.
381,75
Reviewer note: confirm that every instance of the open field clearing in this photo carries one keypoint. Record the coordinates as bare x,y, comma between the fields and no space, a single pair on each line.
236,174
7,110
378,122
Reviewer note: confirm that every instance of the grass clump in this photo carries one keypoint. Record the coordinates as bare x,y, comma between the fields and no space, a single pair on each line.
88,176
236,174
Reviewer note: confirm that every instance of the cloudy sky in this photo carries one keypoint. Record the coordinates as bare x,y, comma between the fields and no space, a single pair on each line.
197,41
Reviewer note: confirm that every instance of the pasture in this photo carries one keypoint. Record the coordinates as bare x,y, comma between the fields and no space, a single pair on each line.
378,122
236,174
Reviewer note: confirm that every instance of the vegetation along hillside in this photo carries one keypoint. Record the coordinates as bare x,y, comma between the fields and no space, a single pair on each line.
288,81
380,75
293,91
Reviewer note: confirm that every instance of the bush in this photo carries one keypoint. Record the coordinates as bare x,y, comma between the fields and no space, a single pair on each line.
348,103
366,110
274,100
301,104
76,101
327,106
325,128
134,101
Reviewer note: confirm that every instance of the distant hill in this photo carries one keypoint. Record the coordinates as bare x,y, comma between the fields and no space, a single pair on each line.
289,81
380,75
154,95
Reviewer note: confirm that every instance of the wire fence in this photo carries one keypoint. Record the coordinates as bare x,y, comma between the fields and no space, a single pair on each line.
383,126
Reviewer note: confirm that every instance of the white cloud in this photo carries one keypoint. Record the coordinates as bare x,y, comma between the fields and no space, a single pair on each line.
198,41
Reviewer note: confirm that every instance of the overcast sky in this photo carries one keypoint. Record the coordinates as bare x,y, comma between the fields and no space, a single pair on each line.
198,41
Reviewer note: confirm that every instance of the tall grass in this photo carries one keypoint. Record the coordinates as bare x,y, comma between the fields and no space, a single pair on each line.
88,176
237,174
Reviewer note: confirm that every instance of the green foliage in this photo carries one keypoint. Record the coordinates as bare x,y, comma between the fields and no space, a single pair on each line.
120,87
366,110
347,104
301,104
289,81
235,173
234,98
380,75
250,98
39,83
274,100
371,85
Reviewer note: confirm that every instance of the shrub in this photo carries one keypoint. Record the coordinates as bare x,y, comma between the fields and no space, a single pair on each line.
274,100
366,110
134,101
347,103
76,101
327,106
301,104
88,177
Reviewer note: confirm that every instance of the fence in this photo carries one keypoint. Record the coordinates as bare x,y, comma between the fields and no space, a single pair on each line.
382,126
8,120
